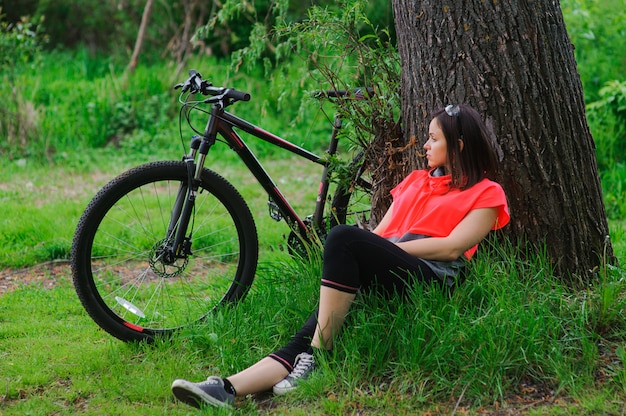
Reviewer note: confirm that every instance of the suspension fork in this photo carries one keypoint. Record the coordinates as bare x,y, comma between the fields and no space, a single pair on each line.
180,245
177,244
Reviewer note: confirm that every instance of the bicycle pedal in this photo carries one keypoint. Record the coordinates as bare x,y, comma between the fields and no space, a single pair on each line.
275,213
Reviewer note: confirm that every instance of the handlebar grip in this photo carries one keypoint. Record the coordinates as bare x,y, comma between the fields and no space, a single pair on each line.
238,95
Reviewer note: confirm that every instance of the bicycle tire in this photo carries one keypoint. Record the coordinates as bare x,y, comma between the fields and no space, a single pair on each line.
350,205
116,274
351,201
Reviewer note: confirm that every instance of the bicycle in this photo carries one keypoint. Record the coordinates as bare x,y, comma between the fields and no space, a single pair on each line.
163,244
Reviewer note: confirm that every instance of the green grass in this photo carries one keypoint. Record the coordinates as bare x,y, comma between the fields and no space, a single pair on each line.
55,362
511,326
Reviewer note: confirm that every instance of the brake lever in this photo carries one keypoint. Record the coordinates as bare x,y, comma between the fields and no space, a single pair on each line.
193,79
214,99
185,86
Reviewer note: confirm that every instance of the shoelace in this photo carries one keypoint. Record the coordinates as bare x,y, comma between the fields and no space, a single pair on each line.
305,362
212,381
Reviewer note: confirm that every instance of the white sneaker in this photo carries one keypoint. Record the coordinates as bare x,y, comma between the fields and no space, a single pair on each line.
304,365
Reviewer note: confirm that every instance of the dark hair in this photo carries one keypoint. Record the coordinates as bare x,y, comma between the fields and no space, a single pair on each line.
478,159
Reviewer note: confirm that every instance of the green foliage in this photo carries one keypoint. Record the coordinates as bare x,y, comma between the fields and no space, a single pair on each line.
230,28
241,25
20,47
607,121
598,33
20,43
107,27
614,190
340,48
82,103
607,117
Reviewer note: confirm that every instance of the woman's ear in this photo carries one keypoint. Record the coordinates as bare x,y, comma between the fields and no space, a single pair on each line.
461,144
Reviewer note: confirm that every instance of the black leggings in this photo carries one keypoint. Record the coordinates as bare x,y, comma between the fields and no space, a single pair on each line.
356,259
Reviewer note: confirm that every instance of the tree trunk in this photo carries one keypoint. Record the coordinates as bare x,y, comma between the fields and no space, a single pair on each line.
181,44
140,36
513,61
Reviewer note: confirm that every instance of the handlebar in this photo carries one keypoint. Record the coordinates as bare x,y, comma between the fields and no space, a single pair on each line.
227,96
195,84
360,93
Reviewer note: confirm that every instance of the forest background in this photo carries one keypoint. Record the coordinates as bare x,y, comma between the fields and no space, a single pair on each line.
73,117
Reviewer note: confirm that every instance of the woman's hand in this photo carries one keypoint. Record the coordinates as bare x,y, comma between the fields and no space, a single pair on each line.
469,232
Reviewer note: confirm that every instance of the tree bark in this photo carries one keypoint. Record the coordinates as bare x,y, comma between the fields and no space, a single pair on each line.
140,36
513,61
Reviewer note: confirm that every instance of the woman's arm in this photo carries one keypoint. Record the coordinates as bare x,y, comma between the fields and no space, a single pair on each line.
469,232
384,222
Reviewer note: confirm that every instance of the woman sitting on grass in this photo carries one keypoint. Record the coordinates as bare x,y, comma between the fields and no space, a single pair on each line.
430,232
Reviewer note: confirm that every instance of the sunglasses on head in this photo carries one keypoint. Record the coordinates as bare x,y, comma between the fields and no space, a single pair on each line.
455,111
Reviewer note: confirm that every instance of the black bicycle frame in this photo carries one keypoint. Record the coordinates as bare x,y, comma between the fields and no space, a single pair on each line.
222,123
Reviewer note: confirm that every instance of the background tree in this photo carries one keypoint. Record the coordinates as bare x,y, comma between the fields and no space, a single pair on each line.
145,18
514,62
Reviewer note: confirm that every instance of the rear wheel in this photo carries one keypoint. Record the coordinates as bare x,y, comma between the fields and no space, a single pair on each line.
351,200
117,264
350,205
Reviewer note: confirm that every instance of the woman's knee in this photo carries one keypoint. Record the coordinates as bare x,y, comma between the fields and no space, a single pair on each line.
342,234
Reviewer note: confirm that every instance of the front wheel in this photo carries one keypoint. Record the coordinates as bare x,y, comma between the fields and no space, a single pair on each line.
117,269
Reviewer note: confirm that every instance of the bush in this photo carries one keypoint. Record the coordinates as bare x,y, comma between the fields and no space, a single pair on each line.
607,119
597,31
614,191
20,46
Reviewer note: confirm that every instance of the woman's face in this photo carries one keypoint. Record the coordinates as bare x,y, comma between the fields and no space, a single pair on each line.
436,146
